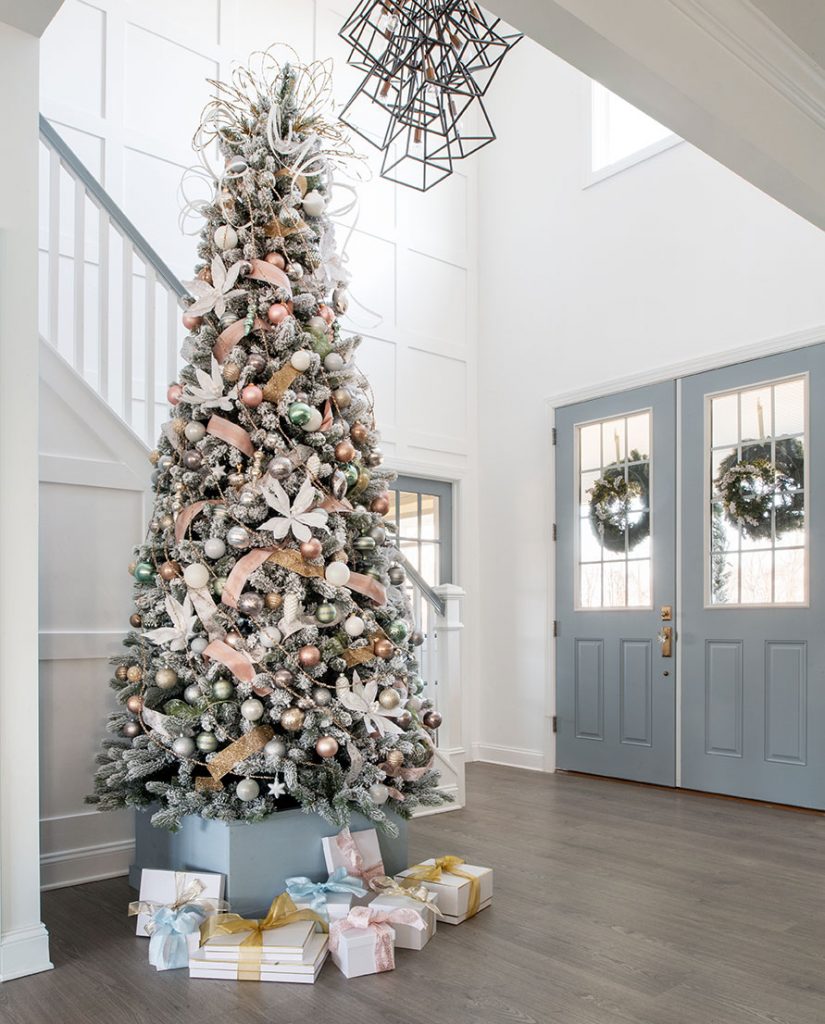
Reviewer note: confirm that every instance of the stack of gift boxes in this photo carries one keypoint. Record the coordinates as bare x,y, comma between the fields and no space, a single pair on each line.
357,915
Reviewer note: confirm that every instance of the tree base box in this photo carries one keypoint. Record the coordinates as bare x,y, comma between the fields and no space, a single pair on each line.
256,858
303,972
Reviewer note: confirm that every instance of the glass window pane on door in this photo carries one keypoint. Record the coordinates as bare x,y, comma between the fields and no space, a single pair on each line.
614,556
756,508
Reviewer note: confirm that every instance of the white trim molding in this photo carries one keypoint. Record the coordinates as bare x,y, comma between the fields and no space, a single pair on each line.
86,864
509,757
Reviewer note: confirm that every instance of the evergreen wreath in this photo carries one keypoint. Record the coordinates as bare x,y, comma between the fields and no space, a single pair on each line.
611,498
750,489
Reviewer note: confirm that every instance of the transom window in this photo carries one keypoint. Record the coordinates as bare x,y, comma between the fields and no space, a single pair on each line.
422,511
621,135
756,528
614,547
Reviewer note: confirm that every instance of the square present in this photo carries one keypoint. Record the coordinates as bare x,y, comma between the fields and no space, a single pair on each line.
446,878
286,944
165,888
360,951
301,972
407,936
357,852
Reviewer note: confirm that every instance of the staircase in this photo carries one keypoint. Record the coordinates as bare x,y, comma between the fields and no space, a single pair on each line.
110,326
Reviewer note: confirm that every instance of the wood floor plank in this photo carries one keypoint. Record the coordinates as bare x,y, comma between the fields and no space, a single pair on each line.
614,904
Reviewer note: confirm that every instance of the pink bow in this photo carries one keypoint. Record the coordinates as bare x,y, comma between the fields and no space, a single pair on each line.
379,922
354,861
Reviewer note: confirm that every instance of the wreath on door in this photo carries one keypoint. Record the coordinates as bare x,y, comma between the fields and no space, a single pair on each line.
612,499
750,489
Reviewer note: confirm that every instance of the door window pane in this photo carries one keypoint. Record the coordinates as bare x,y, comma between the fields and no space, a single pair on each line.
756,458
613,541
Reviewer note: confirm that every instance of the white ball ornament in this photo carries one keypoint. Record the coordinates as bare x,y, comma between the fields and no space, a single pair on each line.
214,548
337,574
378,793
195,431
252,709
334,362
354,626
196,575
225,237
247,789
198,645
275,748
183,746
314,204
301,360
314,422
270,636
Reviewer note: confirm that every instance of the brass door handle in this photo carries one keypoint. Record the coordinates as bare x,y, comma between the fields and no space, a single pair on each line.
666,641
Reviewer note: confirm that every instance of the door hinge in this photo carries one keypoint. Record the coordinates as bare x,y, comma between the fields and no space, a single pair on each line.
555,723
555,532
555,436
555,627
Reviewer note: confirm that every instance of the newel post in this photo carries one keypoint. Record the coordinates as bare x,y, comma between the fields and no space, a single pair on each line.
450,681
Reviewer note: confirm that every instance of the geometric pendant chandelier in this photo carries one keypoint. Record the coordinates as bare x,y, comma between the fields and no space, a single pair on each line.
427,65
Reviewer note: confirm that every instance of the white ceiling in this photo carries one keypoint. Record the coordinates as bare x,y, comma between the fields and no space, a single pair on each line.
802,21
30,16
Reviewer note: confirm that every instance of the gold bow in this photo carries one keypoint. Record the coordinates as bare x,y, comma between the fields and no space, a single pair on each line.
191,894
282,911
386,886
433,872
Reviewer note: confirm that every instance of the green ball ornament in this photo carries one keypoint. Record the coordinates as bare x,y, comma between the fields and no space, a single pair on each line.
351,474
218,584
364,544
398,631
374,572
206,742
326,614
222,689
144,571
299,413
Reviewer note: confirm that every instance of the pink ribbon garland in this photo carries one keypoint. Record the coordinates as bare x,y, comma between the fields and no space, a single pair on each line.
379,922
407,774
241,572
354,860
231,335
326,422
367,586
263,271
231,433
186,515
331,504
238,662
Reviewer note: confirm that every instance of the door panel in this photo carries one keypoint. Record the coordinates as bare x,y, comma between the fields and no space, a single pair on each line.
615,690
753,590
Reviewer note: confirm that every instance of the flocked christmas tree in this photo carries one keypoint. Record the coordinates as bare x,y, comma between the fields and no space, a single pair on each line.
271,661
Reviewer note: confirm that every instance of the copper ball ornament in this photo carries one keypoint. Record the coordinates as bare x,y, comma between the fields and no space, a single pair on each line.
135,621
326,313
380,505
309,656
359,433
121,673
383,648
134,673
389,698
276,259
234,640
131,729
273,601
174,394
395,759
252,396
432,719
277,313
404,720
416,638
292,719
169,570
283,678
311,549
231,373
326,746
135,704
191,323
345,451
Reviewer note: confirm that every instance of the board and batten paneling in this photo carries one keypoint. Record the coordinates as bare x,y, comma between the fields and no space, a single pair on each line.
124,82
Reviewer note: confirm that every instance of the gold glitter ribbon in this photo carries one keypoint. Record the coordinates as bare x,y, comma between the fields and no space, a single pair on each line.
359,656
289,558
450,865
386,886
282,911
206,784
183,897
250,743
279,382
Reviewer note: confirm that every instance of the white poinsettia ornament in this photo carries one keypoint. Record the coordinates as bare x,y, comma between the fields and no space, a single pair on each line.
297,517
183,625
208,392
214,296
362,700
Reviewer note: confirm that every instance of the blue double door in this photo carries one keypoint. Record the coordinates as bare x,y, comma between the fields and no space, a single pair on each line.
690,582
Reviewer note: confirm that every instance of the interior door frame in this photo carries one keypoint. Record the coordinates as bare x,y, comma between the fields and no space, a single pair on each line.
673,371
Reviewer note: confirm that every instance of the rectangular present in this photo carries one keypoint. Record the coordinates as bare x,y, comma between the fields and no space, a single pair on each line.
302,972
357,953
406,936
453,891
163,887
358,852
287,944
338,905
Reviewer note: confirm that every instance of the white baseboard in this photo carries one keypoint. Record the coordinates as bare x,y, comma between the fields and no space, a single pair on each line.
24,951
511,757
86,864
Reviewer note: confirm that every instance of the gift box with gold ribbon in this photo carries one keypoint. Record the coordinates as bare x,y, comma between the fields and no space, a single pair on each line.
462,889
302,972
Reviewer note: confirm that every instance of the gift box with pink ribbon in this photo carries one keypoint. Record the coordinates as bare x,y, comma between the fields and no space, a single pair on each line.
392,896
363,942
357,852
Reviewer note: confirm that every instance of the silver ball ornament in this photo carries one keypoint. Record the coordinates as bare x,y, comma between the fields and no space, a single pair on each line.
247,789
279,468
322,696
192,694
416,638
131,729
206,742
222,689
238,537
397,575
198,644
379,535
378,793
252,709
194,431
389,698
250,604
183,746
225,237
192,459
166,678
354,626
275,748
214,547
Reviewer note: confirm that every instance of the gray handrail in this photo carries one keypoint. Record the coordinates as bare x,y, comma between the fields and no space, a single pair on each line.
102,198
429,594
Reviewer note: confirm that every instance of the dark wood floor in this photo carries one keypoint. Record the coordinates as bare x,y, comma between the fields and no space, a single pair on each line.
613,903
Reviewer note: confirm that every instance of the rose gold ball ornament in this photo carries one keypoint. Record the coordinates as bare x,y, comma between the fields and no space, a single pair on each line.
359,433
383,648
326,314
381,504
174,393
311,549
134,673
131,729
326,746
190,322
256,362
395,759
345,451
121,673
283,678
309,656
135,704
234,640
273,601
276,259
432,719
135,621
389,698
277,313
169,570
292,719
252,396
231,373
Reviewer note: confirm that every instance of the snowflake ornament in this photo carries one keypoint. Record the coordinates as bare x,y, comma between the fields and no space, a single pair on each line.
362,700
297,517
209,297
183,618
208,392
277,788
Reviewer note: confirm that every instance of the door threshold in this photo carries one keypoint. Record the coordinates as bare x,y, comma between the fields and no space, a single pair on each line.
694,792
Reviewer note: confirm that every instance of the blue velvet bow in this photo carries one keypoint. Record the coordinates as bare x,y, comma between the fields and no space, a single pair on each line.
301,888
168,928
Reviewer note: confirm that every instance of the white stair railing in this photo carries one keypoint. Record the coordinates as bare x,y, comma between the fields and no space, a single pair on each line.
109,303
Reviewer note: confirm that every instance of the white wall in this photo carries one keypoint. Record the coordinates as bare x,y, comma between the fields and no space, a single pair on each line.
124,83
673,258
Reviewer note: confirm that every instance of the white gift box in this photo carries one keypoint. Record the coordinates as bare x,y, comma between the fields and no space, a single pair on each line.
338,905
163,886
355,953
453,891
301,972
406,936
287,944
367,843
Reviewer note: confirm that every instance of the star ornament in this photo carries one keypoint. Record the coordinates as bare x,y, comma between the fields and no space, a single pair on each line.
277,788
214,296
297,517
